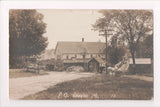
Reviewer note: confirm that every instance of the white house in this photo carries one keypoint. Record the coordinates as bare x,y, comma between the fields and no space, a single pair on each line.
85,54
79,50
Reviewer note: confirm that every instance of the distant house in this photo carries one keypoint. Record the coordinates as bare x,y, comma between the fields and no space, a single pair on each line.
81,53
47,54
141,64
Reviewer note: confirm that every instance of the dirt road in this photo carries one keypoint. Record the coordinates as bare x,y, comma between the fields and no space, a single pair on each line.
20,87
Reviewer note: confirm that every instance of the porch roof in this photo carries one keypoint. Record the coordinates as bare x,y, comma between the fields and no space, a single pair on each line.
76,61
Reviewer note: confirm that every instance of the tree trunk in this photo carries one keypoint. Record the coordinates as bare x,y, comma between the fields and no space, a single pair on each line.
134,64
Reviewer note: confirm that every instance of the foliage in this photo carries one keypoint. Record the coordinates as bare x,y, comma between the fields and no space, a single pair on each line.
145,48
148,46
130,26
115,54
26,29
59,65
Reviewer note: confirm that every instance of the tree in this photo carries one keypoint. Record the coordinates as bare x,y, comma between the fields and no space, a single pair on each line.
148,46
145,48
115,54
103,26
131,26
116,50
26,29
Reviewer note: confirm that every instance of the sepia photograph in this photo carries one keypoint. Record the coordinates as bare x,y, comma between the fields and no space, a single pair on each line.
81,54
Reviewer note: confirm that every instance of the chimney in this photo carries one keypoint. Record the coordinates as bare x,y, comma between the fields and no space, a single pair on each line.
82,39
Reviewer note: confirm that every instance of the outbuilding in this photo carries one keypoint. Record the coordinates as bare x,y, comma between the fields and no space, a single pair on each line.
142,65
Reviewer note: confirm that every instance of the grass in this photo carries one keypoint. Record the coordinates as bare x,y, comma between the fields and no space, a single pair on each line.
97,87
147,74
17,73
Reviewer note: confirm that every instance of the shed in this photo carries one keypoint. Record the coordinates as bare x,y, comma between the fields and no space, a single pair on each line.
142,65
93,65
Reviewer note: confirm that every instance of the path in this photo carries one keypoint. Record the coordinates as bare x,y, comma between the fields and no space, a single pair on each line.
145,78
20,87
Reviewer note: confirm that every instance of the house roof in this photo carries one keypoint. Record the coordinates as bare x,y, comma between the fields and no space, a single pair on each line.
100,60
79,47
140,61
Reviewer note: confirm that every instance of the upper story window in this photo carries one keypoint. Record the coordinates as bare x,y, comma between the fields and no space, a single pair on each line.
91,56
58,57
83,56
67,57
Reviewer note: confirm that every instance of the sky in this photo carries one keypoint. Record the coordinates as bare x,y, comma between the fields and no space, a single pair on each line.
70,25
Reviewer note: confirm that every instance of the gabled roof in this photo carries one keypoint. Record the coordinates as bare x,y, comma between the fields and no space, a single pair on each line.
140,61
100,60
79,47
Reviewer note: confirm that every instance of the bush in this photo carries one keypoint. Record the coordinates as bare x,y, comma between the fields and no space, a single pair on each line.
115,55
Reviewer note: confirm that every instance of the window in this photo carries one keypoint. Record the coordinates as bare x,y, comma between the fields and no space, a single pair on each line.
58,57
83,56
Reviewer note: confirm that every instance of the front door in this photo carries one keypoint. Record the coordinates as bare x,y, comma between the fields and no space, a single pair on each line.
93,67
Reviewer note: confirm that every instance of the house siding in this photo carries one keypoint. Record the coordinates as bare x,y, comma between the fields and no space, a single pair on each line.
88,56
79,56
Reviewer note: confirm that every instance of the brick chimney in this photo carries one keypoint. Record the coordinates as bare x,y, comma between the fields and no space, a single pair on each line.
82,39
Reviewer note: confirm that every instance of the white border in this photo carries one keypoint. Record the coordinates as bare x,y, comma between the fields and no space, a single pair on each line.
4,49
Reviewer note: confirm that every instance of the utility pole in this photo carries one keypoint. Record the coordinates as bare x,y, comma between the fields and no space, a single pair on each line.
84,53
105,33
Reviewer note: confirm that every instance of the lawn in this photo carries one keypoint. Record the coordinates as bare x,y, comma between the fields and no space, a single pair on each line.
97,87
17,73
147,74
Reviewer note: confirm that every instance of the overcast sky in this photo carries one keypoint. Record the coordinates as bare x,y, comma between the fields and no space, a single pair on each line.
70,25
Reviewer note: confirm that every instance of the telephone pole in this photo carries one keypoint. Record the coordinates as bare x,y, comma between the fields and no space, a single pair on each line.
105,33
